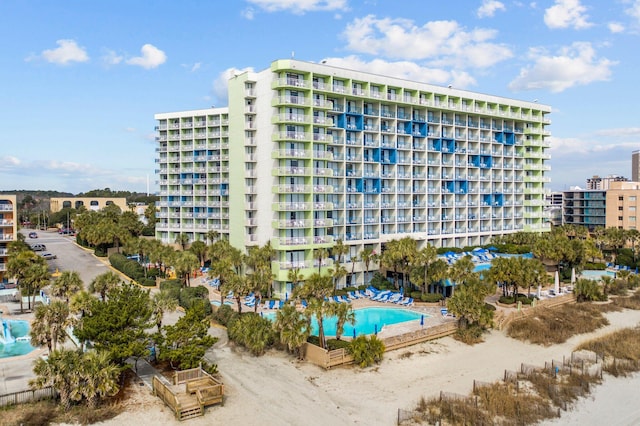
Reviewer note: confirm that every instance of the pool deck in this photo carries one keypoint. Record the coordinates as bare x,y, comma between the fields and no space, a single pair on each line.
432,314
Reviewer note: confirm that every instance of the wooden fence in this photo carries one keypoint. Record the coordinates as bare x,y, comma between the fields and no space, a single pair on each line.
327,359
502,321
25,396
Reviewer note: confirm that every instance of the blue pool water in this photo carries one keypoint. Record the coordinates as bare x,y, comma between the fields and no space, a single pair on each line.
591,274
367,319
482,267
19,347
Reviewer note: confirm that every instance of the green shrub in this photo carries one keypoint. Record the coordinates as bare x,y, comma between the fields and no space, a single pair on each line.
148,231
147,282
314,340
253,332
100,252
153,272
333,344
173,287
595,266
366,350
430,297
380,282
225,315
188,295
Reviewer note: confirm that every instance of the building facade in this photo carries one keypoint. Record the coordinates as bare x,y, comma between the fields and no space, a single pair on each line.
603,183
635,166
584,208
90,203
623,205
306,154
8,230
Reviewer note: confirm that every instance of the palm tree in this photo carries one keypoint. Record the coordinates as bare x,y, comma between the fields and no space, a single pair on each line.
99,377
104,283
294,276
462,270
339,250
182,240
421,261
81,303
633,236
184,263
238,285
292,328
19,262
162,302
319,254
212,236
60,371
316,289
366,256
67,284
50,323
199,248
344,314
337,272
36,277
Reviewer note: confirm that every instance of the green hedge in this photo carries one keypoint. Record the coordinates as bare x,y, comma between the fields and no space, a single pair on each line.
129,267
595,266
507,300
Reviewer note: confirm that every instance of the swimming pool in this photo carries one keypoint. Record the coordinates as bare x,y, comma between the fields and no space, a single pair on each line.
594,274
482,267
19,329
368,320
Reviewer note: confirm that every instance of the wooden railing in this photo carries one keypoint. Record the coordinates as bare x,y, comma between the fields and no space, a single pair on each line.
503,321
327,359
25,396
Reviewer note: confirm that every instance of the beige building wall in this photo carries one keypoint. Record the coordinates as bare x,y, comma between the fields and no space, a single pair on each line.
623,205
8,229
90,203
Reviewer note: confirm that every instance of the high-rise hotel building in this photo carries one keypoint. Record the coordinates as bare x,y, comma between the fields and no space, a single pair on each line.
306,154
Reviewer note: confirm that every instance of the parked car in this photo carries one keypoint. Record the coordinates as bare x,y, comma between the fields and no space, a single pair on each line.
33,234
48,255
67,231
38,247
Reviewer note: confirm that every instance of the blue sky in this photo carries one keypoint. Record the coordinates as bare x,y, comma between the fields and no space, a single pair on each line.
81,81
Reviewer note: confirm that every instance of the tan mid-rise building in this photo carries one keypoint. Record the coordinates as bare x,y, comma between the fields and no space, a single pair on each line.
90,203
8,230
623,205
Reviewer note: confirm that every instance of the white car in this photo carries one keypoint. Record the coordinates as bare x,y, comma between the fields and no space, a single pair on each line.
47,255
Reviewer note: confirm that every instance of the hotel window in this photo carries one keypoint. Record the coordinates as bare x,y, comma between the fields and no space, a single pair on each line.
619,217
621,198
632,218
632,198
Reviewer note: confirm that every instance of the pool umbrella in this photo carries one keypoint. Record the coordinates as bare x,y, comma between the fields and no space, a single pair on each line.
492,248
556,286
375,327
422,320
573,275
354,332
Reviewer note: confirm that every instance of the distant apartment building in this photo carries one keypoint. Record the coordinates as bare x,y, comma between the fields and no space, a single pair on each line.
90,203
623,205
635,166
8,230
603,183
306,154
584,207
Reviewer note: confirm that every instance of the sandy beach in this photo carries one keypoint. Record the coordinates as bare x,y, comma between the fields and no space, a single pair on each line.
278,390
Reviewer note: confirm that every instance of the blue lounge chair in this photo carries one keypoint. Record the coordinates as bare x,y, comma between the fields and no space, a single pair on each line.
408,301
271,304
352,295
345,299
382,295
394,298
250,303
336,299
304,303
361,294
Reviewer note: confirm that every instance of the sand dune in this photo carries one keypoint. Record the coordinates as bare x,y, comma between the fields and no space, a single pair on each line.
277,390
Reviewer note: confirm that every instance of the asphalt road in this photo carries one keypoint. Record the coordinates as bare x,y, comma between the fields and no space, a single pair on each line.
69,255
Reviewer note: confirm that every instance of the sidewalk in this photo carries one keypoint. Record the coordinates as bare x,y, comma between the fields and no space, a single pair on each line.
145,371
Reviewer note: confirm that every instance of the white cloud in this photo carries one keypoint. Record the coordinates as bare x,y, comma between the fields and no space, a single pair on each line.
66,52
573,66
443,42
620,132
152,57
567,14
404,69
196,67
615,27
634,10
111,58
221,83
489,8
299,6
248,13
